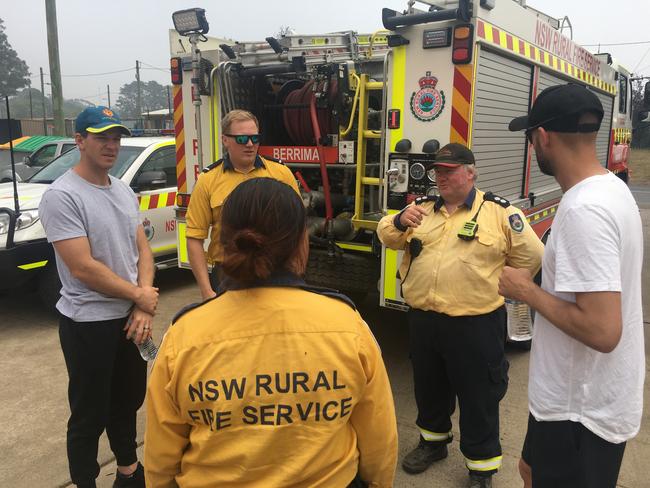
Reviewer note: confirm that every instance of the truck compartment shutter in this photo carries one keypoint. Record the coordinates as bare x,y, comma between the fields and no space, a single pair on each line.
539,182
602,140
502,91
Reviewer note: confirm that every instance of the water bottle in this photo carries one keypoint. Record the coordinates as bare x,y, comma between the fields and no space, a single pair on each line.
148,349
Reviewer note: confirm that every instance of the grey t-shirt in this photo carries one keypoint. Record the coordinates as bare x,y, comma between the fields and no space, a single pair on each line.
108,216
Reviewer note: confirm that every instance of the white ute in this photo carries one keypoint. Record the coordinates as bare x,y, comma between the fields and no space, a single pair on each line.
146,164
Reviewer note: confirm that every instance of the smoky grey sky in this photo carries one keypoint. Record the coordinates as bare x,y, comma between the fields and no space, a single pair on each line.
101,37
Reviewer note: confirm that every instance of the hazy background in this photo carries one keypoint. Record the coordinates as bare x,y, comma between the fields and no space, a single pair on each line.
108,37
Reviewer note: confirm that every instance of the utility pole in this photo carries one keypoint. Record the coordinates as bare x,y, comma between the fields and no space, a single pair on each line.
55,67
43,100
108,90
31,109
138,101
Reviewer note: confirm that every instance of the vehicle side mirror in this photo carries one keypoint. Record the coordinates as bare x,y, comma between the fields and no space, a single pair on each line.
151,180
646,95
27,161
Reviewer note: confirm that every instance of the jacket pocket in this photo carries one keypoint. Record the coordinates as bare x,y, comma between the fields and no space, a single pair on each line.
485,249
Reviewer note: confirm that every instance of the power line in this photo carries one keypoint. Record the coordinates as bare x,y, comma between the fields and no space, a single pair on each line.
641,60
153,67
96,95
81,75
156,69
99,74
616,44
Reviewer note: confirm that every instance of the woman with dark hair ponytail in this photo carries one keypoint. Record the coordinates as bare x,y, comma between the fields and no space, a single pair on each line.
272,383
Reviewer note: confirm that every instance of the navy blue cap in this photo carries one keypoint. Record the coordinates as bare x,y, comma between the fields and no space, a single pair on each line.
99,119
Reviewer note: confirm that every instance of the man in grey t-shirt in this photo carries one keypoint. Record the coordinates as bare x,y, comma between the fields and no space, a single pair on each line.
107,298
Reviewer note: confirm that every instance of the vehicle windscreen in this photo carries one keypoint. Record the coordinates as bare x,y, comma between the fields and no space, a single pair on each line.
67,160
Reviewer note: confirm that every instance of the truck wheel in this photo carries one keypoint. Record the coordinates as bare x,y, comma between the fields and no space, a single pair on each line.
623,175
49,287
352,274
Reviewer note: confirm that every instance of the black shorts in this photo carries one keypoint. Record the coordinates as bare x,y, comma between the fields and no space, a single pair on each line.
566,454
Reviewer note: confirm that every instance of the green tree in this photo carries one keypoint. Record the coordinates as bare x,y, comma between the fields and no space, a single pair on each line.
14,73
19,105
641,126
154,97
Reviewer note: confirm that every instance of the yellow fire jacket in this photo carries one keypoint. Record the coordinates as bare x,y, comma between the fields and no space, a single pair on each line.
460,277
211,190
271,386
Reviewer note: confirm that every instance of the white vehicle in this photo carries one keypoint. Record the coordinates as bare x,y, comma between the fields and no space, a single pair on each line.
27,165
147,165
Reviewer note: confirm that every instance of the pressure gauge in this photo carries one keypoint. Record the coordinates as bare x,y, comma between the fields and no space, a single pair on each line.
431,174
432,191
417,171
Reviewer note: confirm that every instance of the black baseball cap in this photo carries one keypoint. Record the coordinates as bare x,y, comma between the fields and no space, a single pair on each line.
453,155
558,108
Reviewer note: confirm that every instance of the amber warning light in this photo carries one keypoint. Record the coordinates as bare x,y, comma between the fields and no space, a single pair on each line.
462,45
177,71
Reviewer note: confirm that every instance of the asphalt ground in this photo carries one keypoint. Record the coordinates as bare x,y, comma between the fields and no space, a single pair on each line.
33,384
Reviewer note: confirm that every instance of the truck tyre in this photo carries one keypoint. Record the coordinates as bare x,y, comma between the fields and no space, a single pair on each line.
623,175
49,287
352,274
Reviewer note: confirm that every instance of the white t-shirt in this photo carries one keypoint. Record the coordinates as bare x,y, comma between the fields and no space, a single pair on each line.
596,244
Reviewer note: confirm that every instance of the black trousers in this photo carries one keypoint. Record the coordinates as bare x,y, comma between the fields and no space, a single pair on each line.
107,384
566,454
460,357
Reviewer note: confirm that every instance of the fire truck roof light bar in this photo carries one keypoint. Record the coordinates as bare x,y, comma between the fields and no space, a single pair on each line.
392,19
189,21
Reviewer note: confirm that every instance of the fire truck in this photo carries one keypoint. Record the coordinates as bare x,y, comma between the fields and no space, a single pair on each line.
621,137
359,117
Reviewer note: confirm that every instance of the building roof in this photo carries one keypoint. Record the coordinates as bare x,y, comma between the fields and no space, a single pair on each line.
15,143
35,142
163,112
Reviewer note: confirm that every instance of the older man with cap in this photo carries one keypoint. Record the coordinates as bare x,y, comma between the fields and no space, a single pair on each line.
587,362
106,270
456,246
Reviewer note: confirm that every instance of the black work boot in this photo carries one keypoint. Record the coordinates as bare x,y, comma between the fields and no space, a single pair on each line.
135,480
480,481
423,456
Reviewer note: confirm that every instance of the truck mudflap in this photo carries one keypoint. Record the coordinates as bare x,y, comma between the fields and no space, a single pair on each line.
23,262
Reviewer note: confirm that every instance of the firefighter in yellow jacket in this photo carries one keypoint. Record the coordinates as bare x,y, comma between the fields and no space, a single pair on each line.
271,383
455,248
241,140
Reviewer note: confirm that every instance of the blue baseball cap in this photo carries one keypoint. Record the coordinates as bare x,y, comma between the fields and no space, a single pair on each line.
99,119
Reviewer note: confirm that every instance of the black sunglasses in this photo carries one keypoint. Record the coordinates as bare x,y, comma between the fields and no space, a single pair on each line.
529,132
244,138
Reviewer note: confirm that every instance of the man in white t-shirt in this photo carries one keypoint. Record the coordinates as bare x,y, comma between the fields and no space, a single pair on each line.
587,362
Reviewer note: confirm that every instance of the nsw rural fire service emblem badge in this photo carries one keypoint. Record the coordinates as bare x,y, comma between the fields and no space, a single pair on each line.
427,103
149,231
